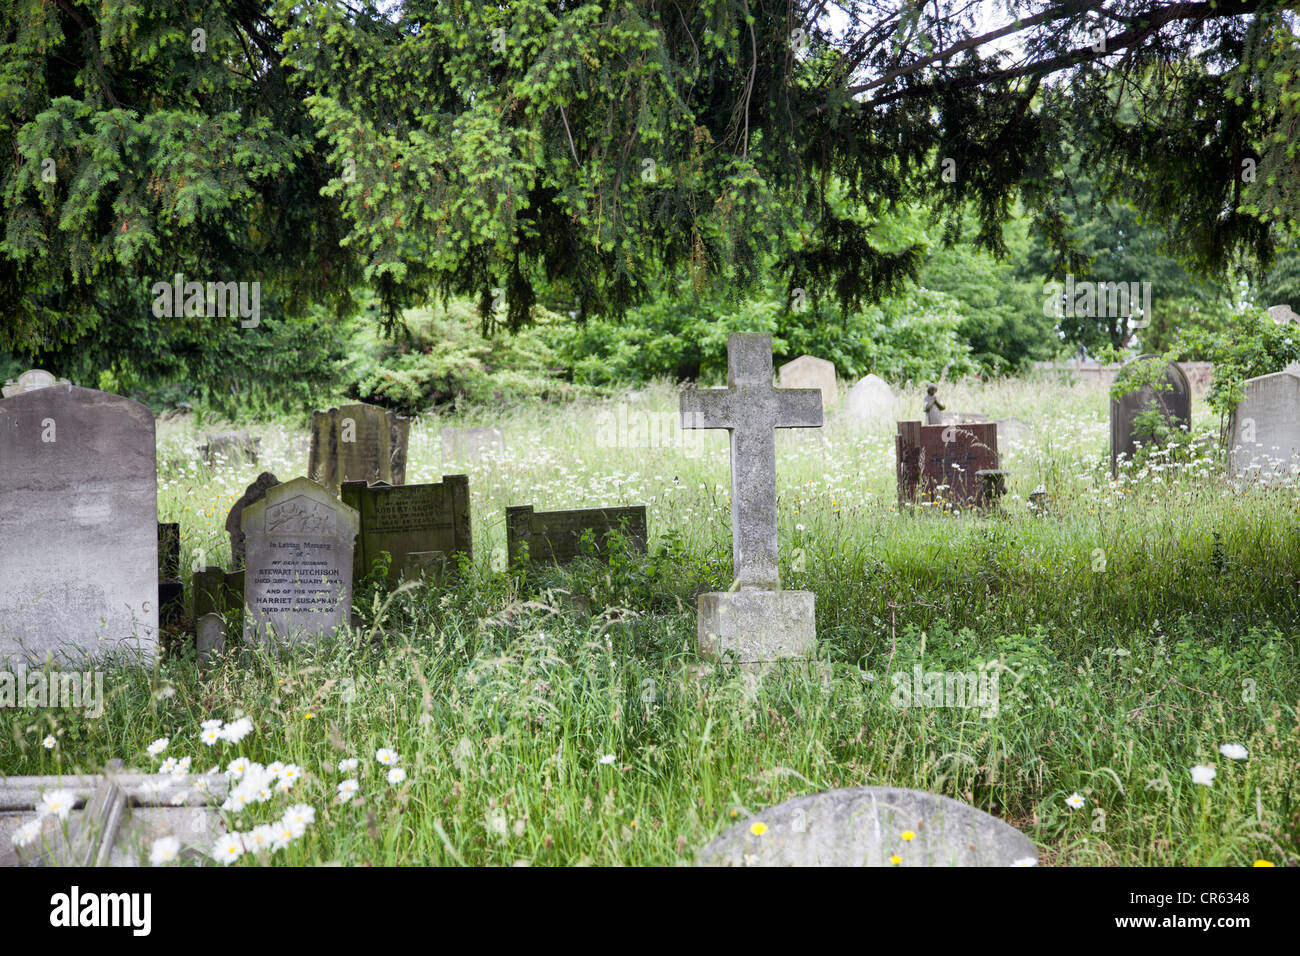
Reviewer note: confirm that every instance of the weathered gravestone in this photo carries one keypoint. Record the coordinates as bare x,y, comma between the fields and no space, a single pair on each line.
217,593
1170,395
410,522
254,492
299,543
555,537
237,446
865,826
30,382
807,371
1266,425
115,818
943,462
469,444
755,621
870,402
357,442
78,521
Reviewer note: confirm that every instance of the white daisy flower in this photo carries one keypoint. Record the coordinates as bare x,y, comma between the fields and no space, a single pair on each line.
396,776
1075,801
214,724
210,736
607,759
274,768
158,746
49,742
56,803
285,834
164,850
301,813
1204,775
26,833
259,838
237,731
235,769
348,765
1234,751
228,848
386,756
347,790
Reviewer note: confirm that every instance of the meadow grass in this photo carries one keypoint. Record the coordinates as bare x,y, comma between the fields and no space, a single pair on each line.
1139,625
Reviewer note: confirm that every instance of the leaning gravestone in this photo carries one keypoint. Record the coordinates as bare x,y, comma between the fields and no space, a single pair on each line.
357,442
555,537
299,541
1266,425
871,826
1171,395
409,522
30,382
807,371
944,462
870,402
469,444
755,621
254,492
79,513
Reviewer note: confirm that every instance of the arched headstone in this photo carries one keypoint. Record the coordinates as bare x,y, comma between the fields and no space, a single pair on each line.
1173,399
871,826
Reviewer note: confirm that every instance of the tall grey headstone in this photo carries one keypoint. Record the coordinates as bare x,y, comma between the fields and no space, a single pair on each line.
870,402
1172,398
357,442
865,826
755,621
79,525
1266,425
298,543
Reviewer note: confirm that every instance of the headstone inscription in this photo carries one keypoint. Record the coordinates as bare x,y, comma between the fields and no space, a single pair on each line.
254,492
1266,425
866,826
79,513
468,445
808,371
755,621
943,461
299,542
410,522
357,442
555,537
1170,395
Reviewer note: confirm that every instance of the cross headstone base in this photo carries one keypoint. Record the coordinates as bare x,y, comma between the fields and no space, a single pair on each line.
756,626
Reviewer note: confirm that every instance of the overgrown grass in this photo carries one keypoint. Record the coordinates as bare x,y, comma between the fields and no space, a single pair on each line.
1134,629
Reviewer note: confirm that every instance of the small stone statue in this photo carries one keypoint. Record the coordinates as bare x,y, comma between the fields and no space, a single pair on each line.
933,407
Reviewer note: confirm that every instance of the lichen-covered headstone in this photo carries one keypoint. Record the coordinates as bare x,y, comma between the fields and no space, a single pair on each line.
299,543
79,513
406,520
357,442
871,826
555,537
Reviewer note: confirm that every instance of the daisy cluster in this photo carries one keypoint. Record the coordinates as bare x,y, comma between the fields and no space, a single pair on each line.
53,803
253,783
271,837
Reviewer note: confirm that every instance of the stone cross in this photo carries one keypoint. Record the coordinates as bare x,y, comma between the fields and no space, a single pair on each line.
750,408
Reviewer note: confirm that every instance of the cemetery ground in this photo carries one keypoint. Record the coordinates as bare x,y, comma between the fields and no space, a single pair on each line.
562,716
